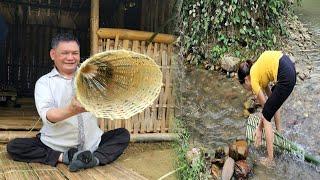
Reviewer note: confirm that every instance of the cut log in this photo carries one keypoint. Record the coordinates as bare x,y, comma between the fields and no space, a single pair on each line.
228,169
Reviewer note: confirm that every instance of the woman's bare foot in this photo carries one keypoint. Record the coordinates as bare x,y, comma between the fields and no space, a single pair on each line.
280,131
267,162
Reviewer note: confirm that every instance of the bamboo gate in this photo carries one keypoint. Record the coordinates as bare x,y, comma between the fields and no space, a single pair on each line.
157,118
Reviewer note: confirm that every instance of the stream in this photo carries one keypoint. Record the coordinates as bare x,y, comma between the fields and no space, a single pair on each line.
212,106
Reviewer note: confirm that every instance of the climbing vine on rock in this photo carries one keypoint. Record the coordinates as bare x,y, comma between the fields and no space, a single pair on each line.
211,28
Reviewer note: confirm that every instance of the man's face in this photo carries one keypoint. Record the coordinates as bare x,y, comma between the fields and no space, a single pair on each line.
66,57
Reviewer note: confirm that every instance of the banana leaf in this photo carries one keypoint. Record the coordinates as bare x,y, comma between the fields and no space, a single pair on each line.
280,142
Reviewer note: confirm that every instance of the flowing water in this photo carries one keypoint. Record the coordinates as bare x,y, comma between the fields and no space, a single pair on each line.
212,106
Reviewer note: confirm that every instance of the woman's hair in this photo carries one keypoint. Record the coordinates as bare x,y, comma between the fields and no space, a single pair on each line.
244,70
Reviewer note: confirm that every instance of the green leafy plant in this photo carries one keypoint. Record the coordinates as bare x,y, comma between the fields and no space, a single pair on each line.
195,170
211,28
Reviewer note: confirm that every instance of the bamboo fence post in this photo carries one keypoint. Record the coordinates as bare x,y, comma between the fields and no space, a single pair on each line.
116,42
166,79
154,111
152,115
94,26
171,97
100,42
108,44
146,115
161,117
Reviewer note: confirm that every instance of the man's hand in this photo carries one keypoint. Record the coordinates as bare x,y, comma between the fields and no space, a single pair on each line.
76,107
59,114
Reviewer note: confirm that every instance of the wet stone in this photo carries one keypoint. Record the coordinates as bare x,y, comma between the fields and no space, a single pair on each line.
219,157
228,169
229,63
309,67
226,149
215,171
302,76
239,150
242,169
293,59
189,57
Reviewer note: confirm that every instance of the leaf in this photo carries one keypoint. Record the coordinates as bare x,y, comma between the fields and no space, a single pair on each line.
242,31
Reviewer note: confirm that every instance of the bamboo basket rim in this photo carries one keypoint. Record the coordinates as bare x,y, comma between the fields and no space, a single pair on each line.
135,75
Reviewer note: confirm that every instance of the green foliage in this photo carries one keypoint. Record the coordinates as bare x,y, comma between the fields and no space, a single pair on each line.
195,170
211,28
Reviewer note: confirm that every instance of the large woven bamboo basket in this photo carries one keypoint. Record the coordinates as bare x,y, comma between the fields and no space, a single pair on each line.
118,84
280,142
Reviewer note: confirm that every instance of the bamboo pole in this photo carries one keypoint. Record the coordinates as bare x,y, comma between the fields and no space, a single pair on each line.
94,26
6,136
111,33
153,137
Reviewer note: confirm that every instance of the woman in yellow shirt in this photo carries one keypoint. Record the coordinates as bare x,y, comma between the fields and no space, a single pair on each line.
271,66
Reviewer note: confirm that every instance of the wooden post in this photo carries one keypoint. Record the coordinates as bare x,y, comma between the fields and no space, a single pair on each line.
94,26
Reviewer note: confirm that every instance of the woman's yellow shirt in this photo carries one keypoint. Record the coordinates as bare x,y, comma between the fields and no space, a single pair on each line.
265,70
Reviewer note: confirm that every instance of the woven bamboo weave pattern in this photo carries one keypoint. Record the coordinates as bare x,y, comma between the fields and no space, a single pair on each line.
280,142
118,84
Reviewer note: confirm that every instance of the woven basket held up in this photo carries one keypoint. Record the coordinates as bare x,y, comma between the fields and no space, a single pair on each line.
118,84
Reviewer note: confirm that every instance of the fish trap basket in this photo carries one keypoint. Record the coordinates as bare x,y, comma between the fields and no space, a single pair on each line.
118,84
280,142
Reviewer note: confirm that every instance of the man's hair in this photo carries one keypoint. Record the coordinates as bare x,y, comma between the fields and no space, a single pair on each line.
67,37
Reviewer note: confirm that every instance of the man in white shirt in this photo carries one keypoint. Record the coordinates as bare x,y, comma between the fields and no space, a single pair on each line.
69,133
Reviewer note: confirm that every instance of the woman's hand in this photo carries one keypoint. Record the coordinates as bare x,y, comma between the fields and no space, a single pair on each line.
258,132
258,137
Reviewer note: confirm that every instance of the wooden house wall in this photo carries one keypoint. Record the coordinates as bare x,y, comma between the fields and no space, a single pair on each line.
25,54
144,15
25,57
